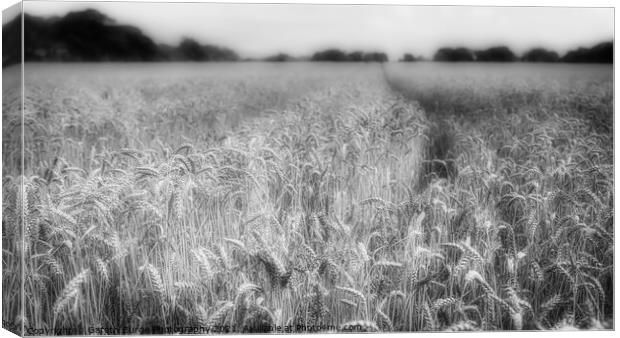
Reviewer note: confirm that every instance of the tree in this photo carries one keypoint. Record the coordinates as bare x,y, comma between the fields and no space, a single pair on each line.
215,53
600,53
375,57
12,41
496,54
334,55
453,55
89,35
540,55
191,50
408,57
356,56
86,35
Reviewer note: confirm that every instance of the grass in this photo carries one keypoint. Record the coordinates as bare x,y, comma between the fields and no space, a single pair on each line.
319,199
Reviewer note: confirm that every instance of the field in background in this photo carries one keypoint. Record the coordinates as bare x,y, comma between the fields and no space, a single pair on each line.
319,197
493,89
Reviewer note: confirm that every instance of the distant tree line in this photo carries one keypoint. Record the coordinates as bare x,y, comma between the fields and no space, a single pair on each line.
600,53
328,55
191,50
337,55
280,57
89,35
408,57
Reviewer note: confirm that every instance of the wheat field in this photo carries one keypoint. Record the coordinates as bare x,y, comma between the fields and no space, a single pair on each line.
307,198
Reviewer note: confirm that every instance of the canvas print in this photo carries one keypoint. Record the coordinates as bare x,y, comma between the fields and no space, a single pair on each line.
230,168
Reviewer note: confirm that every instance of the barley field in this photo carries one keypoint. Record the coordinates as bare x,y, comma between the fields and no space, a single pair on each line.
296,197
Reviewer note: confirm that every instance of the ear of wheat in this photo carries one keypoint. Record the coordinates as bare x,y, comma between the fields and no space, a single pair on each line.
70,292
154,279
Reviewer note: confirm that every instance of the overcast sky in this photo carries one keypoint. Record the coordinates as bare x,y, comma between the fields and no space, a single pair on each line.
256,30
